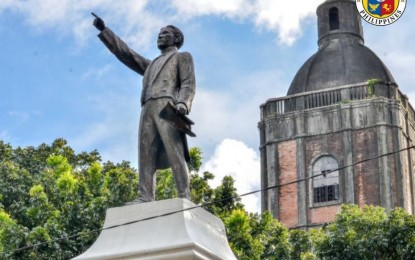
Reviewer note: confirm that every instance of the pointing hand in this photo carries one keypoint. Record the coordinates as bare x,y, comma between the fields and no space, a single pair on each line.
98,22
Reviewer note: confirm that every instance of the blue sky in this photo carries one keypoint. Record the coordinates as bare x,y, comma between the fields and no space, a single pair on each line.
58,80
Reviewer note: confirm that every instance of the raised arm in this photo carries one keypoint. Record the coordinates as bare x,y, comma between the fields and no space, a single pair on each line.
120,49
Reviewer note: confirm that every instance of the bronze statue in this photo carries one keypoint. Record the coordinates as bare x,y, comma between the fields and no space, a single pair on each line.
168,81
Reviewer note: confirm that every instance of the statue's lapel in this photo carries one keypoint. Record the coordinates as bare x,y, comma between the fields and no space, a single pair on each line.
167,58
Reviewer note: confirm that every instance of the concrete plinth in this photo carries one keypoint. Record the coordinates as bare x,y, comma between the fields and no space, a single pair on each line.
190,234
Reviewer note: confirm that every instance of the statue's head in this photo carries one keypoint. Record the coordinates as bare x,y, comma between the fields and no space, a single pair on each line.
170,36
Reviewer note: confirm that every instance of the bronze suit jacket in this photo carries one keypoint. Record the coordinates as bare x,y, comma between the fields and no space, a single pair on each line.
175,79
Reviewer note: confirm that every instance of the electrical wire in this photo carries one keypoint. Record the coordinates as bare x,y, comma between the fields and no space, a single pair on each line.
205,204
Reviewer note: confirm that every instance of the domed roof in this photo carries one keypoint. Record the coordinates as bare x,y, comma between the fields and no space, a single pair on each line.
342,58
339,63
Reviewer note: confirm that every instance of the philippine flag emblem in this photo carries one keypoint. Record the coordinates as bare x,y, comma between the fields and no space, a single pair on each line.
381,12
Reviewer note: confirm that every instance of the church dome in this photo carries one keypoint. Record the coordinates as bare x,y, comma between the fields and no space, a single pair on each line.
342,57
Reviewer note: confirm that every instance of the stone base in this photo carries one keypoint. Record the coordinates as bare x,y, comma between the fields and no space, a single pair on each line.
190,234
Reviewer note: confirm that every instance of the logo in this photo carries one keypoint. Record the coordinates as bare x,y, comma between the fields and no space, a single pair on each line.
380,12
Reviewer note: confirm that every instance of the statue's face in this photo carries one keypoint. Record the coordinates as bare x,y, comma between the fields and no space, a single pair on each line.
166,38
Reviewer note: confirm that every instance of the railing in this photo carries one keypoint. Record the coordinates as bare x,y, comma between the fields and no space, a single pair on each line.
333,96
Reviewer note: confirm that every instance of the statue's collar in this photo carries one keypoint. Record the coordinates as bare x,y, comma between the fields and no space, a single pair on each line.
169,49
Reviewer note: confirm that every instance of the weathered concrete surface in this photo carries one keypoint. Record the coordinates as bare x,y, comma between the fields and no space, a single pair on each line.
190,234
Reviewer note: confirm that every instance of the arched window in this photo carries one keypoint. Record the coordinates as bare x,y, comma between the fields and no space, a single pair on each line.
326,182
334,18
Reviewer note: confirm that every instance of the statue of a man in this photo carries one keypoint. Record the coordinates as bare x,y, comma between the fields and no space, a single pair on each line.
169,78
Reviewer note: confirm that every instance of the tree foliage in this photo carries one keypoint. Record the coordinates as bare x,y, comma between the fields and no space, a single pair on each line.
53,201
49,192
369,233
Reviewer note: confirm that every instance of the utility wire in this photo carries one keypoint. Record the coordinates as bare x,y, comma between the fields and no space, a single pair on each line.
208,203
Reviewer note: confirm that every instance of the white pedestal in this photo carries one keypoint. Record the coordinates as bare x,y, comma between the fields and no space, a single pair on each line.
190,234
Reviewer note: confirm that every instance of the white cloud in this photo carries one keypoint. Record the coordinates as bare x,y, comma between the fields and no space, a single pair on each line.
229,8
281,17
71,17
138,20
284,17
5,4
234,158
45,12
210,108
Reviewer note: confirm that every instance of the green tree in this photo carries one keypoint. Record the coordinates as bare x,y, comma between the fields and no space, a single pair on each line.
12,236
200,190
195,159
273,235
369,233
240,237
254,236
49,192
399,232
303,243
165,185
226,199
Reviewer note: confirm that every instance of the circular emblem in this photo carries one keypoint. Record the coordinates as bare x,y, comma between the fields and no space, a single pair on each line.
380,12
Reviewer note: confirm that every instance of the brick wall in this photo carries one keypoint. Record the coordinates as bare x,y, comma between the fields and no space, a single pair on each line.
288,195
329,144
323,215
366,180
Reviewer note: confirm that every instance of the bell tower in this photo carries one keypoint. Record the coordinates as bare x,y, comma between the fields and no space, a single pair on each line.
342,106
338,19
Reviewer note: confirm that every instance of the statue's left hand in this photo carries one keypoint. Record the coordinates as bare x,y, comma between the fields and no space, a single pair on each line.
181,108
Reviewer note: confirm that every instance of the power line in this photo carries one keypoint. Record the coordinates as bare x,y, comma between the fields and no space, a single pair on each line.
208,203
338,169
